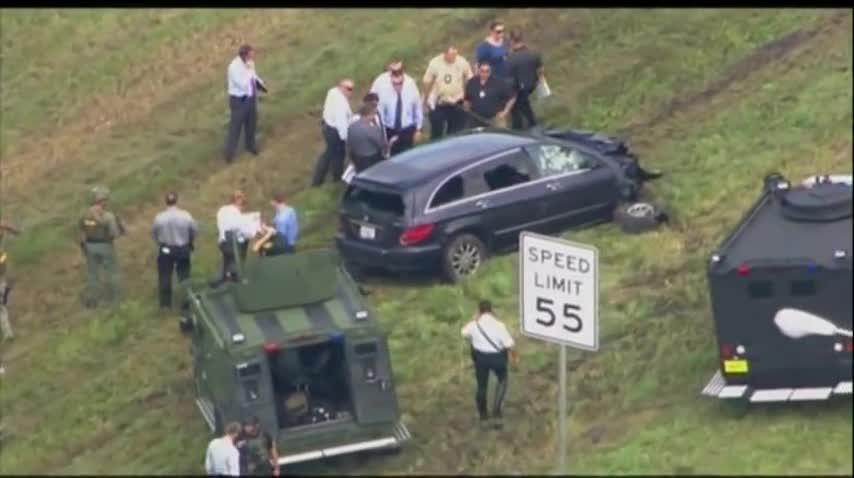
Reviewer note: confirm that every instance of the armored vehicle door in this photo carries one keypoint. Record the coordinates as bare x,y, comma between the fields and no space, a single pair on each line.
371,381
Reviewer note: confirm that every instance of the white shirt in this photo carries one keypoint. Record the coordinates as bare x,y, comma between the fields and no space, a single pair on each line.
229,218
240,77
412,113
496,331
337,112
222,457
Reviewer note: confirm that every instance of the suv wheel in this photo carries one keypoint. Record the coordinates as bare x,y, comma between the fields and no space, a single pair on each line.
463,256
638,217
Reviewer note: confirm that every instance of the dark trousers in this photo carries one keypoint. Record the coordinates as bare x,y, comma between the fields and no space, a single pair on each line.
361,163
405,139
244,116
446,120
176,260
478,122
484,363
333,157
229,262
522,111
278,250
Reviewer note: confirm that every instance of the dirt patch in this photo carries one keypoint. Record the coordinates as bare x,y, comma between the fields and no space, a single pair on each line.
774,51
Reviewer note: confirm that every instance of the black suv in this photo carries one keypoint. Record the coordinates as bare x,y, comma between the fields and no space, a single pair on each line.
446,205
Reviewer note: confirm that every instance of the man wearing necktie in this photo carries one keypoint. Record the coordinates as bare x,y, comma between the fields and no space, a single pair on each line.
400,107
243,83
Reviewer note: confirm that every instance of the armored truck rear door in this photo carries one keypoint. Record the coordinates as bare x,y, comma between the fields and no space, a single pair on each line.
371,381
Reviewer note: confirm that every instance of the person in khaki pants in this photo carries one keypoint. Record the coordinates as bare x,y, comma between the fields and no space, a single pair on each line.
5,324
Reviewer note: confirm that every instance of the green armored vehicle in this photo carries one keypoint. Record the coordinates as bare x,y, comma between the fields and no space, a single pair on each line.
294,344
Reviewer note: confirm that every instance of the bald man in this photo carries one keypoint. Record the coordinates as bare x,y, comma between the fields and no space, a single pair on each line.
336,119
444,88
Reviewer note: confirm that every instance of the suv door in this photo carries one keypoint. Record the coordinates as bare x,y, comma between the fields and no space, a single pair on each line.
512,198
578,189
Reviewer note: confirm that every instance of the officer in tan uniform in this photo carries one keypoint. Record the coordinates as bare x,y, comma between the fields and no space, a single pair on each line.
98,229
5,325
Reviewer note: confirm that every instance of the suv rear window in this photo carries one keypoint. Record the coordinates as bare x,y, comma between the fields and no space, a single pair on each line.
390,203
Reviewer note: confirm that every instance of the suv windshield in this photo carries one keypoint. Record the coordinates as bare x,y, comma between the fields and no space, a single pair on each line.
378,201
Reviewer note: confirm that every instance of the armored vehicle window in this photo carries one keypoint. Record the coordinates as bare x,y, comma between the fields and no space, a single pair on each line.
760,289
449,192
376,201
801,288
249,370
365,349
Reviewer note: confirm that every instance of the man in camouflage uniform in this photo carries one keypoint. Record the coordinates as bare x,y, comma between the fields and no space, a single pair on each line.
258,454
5,325
98,229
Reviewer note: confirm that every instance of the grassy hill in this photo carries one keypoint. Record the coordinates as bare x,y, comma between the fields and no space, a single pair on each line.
135,100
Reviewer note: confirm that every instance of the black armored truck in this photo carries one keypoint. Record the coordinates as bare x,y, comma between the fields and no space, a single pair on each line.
294,344
780,288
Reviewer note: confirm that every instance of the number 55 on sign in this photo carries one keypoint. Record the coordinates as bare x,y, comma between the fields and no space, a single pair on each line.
559,291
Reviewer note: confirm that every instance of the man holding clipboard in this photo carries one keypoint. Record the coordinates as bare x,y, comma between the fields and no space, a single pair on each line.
235,226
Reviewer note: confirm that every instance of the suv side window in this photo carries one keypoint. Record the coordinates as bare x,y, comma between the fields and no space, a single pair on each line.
452,190
507,171
553,159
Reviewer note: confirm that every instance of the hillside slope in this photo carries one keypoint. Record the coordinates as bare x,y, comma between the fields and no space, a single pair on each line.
714,98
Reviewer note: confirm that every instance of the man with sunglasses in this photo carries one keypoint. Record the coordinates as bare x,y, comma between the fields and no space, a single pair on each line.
488,99
336,119
493,50
399,107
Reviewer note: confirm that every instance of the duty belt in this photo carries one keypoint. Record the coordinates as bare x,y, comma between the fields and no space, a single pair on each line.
99,241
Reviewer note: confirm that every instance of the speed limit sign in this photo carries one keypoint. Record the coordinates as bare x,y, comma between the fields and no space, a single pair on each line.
559,291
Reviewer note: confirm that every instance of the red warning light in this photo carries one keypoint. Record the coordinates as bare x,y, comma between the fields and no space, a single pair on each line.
743,270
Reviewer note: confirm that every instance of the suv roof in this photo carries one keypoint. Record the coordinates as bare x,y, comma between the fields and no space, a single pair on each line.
284,297
812,218
425,162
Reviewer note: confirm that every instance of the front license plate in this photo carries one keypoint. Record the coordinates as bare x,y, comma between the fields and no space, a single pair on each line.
367,232
735,366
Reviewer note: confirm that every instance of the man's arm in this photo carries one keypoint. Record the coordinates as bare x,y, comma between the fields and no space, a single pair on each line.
509,105
418,105
293,230
341,123
10,228
208,461
428,81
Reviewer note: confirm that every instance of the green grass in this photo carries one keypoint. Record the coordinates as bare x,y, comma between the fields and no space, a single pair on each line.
110,392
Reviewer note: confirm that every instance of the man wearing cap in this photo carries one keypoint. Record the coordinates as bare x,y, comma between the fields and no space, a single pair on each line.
5,324
336,120
258,454
400,105
174,231
230,224
98,229
243,85
444,87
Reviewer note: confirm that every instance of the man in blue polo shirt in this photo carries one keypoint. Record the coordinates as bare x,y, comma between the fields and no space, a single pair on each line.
286,225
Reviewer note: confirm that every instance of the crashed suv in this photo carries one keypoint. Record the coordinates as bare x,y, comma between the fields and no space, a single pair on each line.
446,205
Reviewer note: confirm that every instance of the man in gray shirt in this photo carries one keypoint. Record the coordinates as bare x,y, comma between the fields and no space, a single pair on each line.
174,230
366,140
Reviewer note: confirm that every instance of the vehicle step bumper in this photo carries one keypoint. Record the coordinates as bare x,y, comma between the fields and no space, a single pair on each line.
400,436
717,387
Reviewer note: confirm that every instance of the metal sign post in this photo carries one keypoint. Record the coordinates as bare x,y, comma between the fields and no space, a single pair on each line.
559,303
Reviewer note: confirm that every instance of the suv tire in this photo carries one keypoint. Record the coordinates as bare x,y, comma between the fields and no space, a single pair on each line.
463,256
638,217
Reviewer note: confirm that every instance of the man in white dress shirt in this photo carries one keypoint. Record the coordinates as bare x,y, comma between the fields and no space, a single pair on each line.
222,457
336,119
243,85
400,107
231,226
490,345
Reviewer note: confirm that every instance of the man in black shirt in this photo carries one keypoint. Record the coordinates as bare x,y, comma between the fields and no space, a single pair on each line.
525,70
489,99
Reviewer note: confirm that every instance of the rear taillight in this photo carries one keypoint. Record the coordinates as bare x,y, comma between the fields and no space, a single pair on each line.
272,347
727,351
850,347
416,234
